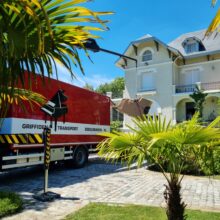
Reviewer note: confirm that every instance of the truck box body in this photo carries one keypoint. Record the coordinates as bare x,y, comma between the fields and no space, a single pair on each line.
86,114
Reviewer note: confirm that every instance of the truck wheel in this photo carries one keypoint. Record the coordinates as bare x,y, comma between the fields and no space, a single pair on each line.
80,157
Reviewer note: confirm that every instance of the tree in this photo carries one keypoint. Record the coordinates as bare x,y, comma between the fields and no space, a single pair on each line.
157,141
199,98
88,86
35,35
116,87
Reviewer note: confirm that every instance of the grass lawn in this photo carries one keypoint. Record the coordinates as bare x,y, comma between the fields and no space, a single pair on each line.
97,211
10,203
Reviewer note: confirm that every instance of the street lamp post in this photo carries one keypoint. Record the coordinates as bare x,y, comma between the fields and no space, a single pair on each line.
91,44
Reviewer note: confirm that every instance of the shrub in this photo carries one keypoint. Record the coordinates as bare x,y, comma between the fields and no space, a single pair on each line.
115,126
10,203
194,167
214,163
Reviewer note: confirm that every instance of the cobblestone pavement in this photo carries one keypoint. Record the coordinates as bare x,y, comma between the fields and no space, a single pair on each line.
102,182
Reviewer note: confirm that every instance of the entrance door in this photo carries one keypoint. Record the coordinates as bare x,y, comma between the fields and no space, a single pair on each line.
190,110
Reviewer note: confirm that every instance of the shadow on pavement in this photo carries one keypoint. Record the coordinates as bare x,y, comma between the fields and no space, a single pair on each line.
29,181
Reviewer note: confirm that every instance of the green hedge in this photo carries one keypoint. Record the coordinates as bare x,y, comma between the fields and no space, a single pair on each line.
192,166
10,203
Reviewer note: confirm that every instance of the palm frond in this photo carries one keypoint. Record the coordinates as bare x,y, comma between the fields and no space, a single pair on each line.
214,2
215,21
17,96
35,35
32,29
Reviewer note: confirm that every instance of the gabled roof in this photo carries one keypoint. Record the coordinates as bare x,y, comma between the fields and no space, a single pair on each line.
144,39
211,43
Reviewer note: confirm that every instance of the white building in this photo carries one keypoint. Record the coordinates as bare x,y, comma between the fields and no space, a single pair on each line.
167,73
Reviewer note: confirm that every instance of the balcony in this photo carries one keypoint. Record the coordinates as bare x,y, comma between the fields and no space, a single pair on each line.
185,88
210,86
213,86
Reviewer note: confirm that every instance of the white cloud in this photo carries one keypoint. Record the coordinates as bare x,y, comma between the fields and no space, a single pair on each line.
95,79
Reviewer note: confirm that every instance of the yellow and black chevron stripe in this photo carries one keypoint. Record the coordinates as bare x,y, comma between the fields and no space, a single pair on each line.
47,159
21,139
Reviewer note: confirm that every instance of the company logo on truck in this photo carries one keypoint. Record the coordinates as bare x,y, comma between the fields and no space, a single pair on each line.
56,108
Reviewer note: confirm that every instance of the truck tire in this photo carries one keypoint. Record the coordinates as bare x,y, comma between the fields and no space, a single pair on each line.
80,157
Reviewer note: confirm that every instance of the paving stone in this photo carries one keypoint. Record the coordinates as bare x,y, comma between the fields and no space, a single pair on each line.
103,182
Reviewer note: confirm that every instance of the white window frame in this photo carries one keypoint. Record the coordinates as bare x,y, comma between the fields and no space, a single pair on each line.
150,72
147,56
142,53
194,74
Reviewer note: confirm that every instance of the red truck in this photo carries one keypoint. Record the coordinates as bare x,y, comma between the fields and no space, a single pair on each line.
75,116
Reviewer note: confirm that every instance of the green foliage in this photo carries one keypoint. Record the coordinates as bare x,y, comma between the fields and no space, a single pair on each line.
37,35
104,88
95,211
99,211
88,86
10,203
42,32
157,141
199,98
18,96
116,87
115,126
212,166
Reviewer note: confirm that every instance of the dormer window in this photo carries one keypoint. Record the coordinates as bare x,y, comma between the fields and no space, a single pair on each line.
147,56
192,45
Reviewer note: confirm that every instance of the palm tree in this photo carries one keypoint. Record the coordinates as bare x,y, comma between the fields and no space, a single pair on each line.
18,96
35,35
198,97
168,147
215,21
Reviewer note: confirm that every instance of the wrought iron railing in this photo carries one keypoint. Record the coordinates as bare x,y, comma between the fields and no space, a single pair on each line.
185,88
203,86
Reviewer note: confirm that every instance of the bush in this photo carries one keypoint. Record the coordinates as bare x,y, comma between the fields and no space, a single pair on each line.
212,167
115,126
10,203
194,167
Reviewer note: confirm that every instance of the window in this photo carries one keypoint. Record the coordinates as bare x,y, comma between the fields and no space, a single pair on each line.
146,110
116,115
189,77
147,82
147,55
192,47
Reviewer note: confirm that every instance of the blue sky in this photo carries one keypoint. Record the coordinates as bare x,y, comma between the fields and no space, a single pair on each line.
132,19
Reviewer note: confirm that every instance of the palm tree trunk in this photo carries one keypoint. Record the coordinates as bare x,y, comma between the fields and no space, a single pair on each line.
175,207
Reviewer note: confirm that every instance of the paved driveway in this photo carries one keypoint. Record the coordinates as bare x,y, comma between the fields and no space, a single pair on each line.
102,182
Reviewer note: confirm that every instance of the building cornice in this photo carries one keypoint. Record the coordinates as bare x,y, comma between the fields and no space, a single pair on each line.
147,67
199,63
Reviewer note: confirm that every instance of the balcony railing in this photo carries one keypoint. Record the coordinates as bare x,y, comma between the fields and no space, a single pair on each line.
204,86
185,88
210,86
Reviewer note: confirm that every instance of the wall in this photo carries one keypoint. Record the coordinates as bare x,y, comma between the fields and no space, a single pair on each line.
209,72
162,68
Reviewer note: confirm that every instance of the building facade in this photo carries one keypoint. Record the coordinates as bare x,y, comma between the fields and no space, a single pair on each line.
167,74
